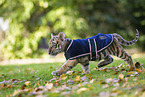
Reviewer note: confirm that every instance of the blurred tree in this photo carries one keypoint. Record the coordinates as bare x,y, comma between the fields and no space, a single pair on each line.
33,20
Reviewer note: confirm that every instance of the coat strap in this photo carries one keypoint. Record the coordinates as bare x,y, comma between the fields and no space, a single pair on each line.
93,49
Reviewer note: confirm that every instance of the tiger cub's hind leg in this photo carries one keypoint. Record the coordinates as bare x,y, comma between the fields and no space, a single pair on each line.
106,61
127,58
117,50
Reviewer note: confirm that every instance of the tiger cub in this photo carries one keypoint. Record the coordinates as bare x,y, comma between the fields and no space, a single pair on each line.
94,48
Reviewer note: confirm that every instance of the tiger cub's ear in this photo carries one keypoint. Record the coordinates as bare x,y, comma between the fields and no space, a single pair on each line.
61,36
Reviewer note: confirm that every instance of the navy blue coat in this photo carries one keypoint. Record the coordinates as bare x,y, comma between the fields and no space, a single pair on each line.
90,46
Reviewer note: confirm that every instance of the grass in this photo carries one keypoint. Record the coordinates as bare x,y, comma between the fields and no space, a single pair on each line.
40,74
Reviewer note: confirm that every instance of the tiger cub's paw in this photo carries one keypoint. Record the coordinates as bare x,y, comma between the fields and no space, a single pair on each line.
55,73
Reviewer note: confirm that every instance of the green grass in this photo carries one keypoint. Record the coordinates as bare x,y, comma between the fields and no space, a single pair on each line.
40,74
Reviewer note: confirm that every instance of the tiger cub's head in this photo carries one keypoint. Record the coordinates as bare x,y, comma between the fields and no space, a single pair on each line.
56,44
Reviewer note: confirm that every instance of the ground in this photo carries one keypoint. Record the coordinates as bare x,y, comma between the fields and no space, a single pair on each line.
36,80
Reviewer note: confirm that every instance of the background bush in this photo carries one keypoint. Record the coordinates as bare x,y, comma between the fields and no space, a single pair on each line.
32,21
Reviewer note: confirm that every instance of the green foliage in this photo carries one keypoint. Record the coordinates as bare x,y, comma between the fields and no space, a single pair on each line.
30,20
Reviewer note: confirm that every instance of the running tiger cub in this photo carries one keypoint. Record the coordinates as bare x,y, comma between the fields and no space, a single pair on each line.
94,48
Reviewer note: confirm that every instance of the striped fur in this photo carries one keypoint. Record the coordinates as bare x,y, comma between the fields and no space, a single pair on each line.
124,42
59,44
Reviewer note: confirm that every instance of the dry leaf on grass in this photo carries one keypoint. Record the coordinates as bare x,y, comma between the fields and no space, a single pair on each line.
137,65
138,70
108,80
77,79
132,73
82,90
27,83
84,78
92,81
66,93
116,90
104,94
49,86
121,76
131,68
120,66
5,86
105,86
63,77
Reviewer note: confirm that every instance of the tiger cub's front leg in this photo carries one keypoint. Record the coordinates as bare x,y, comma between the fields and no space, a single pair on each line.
69,64
86,67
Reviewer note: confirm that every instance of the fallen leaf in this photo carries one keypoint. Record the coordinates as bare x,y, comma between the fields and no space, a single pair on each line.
123,70
143,70
79,85
143,94
136,93
108,80
131,68
82,90
135,79
41,95
70,81
5,86
116,72
23,87
64,87
95,68
115,90
38,84
52,79
116,84
92,81
38,93
49,86
84,78
27,83
3,75
93,95
60,89
116,80
66,93
114,94
104,69
137,65
133,73
74,87
104,94
143,89
2,85
121,65
113,68
102,82
84,83
16,92
138,70
77,79
126,79
105,86
63,76
40,88
121,76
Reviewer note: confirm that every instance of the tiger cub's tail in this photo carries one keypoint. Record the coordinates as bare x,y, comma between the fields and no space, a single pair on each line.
122,41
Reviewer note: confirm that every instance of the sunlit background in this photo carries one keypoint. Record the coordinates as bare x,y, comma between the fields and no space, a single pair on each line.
26,25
